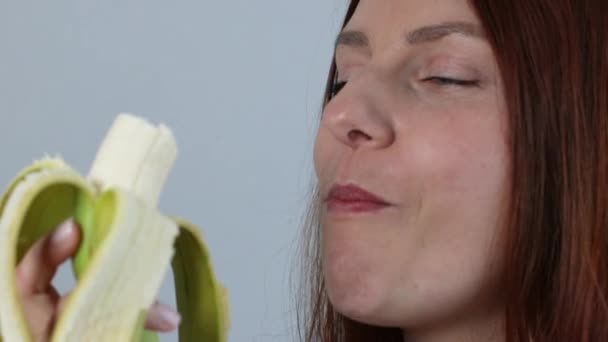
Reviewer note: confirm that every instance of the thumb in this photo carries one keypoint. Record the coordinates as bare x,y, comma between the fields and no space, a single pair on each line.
38,266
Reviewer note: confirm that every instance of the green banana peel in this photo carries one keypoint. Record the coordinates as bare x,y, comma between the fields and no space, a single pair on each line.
114,225
209,320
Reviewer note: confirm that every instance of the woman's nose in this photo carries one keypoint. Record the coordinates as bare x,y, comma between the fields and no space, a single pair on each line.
359,117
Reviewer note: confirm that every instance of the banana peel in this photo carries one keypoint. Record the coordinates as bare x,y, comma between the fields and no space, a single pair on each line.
126,245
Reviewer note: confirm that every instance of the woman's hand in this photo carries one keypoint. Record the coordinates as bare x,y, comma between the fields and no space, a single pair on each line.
41,301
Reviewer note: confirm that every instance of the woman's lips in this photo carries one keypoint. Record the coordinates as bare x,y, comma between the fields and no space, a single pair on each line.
353,199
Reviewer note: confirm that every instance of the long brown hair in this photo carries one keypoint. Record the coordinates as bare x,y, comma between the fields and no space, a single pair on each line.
553,57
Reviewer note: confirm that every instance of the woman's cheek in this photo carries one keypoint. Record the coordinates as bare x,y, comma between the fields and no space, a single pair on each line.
322,154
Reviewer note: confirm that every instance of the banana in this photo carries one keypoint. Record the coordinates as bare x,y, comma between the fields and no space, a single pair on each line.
126,247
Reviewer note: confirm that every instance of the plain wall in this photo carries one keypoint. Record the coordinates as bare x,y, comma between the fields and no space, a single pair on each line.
239,82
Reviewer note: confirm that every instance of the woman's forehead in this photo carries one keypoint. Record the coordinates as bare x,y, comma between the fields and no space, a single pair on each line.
376,25
396,16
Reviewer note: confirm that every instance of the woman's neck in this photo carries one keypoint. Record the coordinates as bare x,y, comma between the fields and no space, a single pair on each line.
483,327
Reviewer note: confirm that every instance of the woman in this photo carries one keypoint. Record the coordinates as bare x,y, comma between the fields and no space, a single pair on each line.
462,164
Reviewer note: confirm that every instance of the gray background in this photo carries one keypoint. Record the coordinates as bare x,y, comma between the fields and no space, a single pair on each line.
239,82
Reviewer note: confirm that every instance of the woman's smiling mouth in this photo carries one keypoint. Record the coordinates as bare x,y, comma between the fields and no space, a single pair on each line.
353,199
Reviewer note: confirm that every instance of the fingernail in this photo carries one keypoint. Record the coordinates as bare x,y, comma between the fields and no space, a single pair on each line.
168,317
63,232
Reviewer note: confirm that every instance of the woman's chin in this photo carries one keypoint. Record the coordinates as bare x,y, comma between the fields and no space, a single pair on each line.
362,307
356,294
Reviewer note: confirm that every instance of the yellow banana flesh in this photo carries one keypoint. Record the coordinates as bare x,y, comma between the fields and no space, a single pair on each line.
126,242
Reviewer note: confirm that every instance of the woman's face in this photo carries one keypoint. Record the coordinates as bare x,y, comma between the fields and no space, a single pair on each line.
421,125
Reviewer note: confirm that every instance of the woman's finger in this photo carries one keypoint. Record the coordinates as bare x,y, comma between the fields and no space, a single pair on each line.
39,311
162,318
38,266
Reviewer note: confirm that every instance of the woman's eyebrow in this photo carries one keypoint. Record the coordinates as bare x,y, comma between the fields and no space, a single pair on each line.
355,39
424,34
435,32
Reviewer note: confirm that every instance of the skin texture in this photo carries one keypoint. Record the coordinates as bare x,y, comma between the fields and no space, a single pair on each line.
41,301
437,152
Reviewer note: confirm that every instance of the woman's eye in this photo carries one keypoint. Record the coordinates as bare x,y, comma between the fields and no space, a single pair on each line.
337,86
436,80
449,82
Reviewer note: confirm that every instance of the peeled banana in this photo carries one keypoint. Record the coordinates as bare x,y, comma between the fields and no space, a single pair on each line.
126,244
